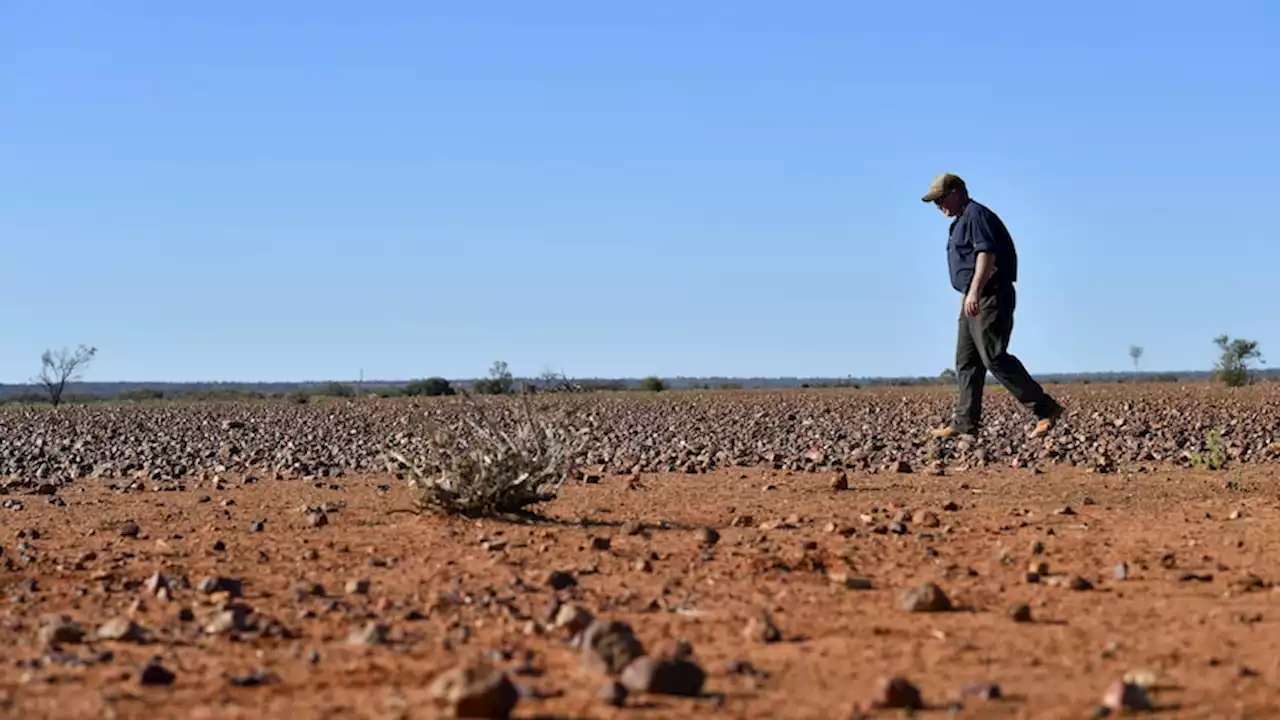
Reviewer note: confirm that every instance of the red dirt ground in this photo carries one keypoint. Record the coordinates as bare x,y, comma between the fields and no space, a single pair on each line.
1210,644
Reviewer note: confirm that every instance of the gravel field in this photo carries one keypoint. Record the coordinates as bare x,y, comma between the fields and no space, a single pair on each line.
780,554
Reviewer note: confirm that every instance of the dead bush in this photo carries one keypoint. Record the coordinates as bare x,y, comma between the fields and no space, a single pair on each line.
482,470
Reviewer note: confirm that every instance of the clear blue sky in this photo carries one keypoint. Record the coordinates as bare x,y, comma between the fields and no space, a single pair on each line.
296,190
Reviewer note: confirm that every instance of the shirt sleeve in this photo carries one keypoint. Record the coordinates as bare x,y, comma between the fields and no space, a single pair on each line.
981,235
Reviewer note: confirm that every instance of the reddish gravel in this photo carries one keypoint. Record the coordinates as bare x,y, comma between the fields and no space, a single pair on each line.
261,609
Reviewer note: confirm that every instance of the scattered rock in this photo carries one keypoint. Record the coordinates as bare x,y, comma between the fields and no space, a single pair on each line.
925,598
609,646
1020,612
121,629
660,676
613,693
129,529
760,628
370,633
60,630
559,580
154,674
897,692
1125,697
474,690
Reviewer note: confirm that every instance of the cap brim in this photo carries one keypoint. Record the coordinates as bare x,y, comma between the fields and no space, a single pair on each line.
932,195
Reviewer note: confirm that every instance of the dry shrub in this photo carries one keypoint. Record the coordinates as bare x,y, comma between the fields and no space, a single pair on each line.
485,471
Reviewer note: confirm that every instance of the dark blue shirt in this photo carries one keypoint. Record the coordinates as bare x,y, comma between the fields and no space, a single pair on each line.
980,230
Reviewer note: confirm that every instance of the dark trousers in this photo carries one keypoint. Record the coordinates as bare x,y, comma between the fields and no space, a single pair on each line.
982,344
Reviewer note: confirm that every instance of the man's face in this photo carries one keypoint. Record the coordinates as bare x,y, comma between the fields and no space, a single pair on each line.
950,204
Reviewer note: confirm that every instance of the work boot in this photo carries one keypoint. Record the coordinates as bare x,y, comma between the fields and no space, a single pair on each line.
948,431
1046,424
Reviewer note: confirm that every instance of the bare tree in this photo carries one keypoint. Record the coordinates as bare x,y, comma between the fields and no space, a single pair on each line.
1135,352
59,368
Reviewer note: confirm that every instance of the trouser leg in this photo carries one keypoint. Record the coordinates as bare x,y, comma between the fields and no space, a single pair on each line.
991,331
971,374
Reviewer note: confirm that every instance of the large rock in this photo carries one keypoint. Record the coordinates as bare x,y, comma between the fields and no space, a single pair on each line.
609,646
474,690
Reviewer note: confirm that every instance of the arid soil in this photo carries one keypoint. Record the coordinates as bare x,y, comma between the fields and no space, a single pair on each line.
222,592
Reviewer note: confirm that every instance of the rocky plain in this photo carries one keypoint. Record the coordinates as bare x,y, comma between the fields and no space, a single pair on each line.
735,554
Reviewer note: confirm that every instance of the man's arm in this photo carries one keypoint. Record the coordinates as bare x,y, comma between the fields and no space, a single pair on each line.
982,273
984,243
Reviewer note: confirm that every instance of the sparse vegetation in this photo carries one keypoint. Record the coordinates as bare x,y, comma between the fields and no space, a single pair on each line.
653,384
61,367
499,381
336,390
429,387
488,472
1214,456
1232,367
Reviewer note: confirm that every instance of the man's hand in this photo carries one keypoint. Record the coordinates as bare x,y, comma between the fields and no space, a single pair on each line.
982,273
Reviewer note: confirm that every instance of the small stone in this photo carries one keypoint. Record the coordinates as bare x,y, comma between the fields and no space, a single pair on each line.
678,677
981,691
475,690
121,629
1066,510
1020,613
1121,571
155,674
573,619
232,586
357,587
898,692
317,519
155,583
760,628
840,482
930,519
559,580
609,646
60,631
600,543
371,633
257,527
925,598
849,582
708,536
129,529
1122,696
613,694
1037,547
1078,583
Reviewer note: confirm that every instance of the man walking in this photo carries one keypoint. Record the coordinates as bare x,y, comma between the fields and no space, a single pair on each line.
984,267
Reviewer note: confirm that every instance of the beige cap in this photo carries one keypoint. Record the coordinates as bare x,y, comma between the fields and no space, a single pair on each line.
943,184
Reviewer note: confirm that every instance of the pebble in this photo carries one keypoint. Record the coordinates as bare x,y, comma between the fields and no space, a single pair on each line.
129,529
474,690
662,676
927,597
613,694
155,674
1122,696
761,628
609,646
